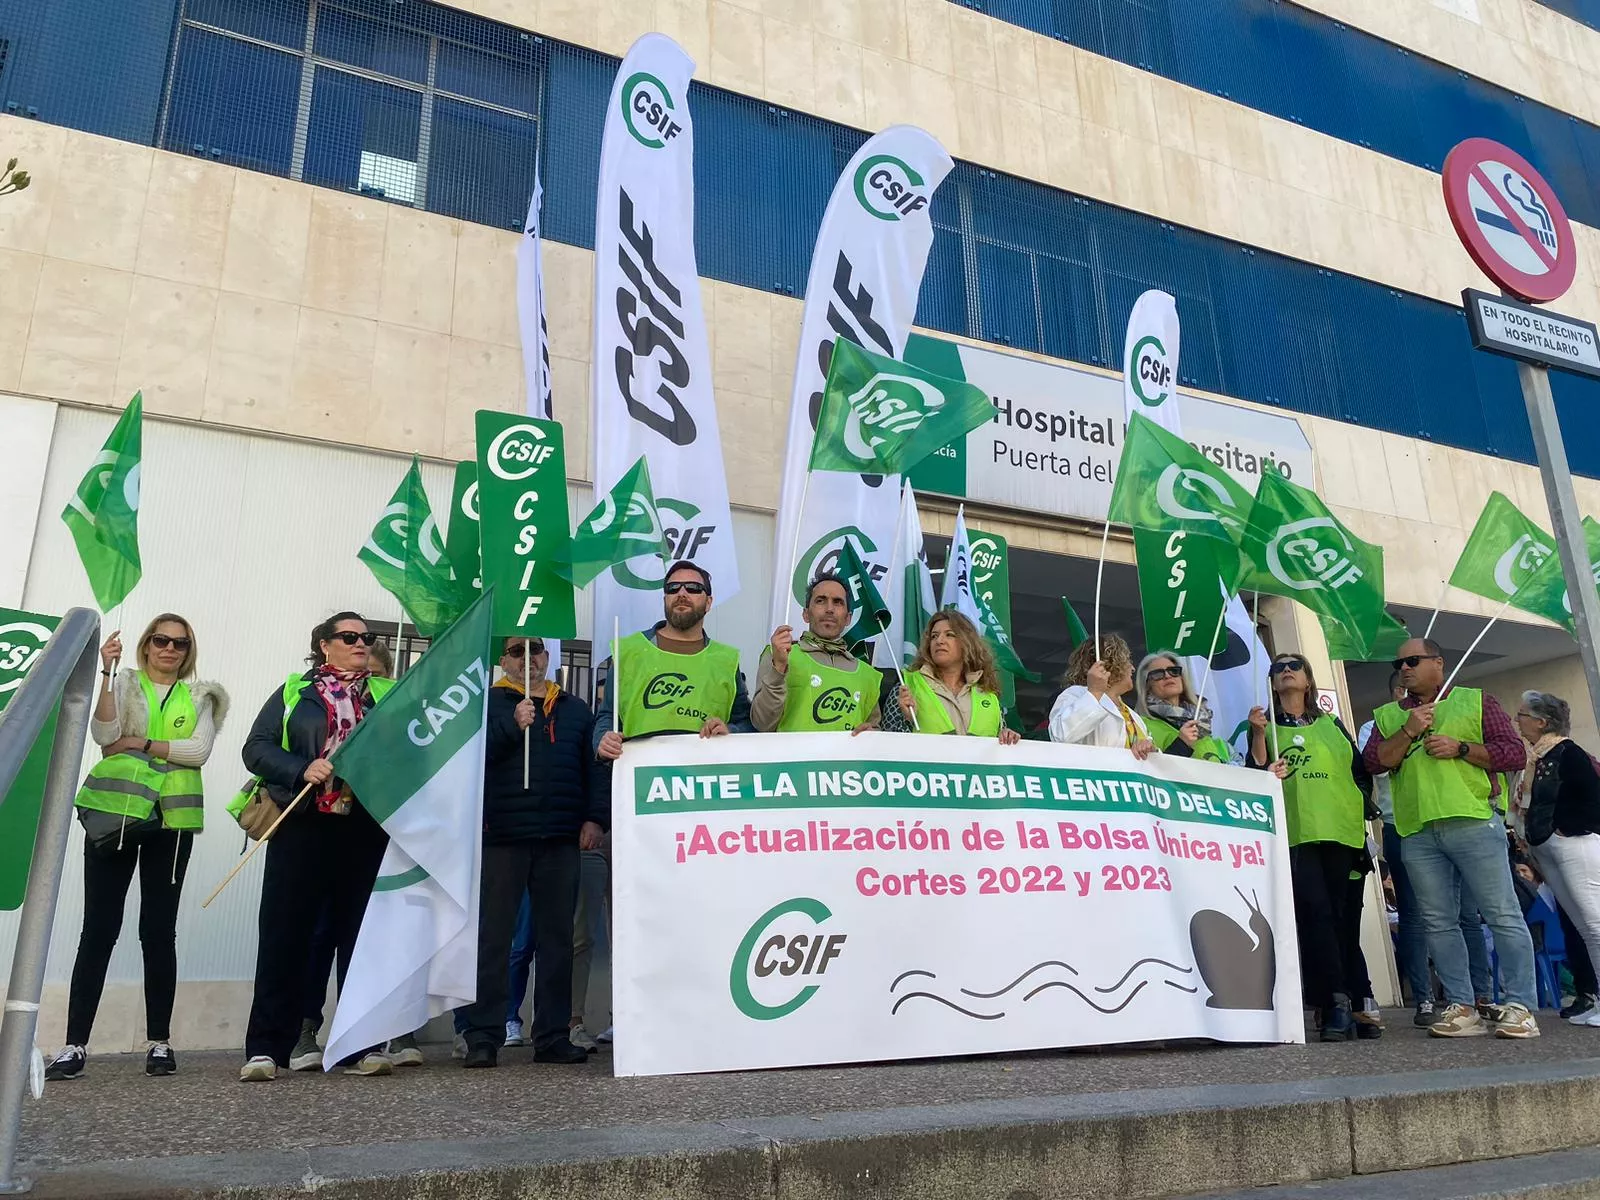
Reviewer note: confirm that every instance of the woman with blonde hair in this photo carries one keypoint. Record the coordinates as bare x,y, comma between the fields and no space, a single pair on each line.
1091,712
141,806
1179,724
954,686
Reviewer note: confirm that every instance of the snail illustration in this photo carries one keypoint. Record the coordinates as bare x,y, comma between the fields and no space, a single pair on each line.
1240,974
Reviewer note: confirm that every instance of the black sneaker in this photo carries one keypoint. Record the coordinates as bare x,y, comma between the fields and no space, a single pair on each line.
1580,1005
562,1052
1426,1015
481,1056
68,1064
160,1060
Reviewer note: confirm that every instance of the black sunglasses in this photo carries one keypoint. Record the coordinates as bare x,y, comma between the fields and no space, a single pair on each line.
1164,673
1411,660
161,642
1288,664
685,585
514,650
350,637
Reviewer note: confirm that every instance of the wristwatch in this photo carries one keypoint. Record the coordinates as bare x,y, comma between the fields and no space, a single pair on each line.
1462,749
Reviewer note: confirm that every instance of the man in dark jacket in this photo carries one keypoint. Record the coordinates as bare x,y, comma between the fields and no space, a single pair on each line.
532,836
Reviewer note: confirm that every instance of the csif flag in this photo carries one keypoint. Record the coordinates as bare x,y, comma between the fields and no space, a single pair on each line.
416,764
103,514
1164,484
872,615
651,380
1544,592
958,593
866,272
623,526
1343,648
535,334
1503,551
910,586
405,554
1150,361
883,416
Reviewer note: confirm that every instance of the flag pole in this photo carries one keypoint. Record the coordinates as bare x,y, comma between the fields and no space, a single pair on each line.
1272,724
526,688
1445,591
1211,650
794,550
616,673
1499,612
271,829
1099,575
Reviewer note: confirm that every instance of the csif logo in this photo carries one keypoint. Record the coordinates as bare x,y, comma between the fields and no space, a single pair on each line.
1312,555
1520,561
647,110
889,188
785,954
822,558
397,527
21,643
835,704
681,537
1151,373
1177,484
666,688
887,407
518,451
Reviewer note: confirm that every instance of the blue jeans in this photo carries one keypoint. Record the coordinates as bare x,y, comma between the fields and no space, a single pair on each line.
1459,856
1412,942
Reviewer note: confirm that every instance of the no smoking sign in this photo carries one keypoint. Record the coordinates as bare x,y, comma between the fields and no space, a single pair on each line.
1509,220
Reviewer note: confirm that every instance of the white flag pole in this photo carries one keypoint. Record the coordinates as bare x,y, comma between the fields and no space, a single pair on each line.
616,674
1099,575
271,829
1499,612
399,638
1272,724
794,550
1443,592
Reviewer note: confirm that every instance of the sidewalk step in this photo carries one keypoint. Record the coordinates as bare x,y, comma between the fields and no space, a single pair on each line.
1564,1175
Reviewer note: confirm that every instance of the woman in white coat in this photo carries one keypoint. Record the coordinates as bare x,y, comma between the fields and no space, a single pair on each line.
1091,712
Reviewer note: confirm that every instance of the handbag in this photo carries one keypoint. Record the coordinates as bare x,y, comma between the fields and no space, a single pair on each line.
254,808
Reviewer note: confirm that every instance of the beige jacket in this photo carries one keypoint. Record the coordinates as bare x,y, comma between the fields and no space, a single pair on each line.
957,705
766,703
133,718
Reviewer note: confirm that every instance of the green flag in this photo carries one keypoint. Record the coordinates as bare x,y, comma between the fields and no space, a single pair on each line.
882,416
103,514
461,542
1544,593
405,554
1295,547
871,613
1502,553
1163,483
624,525
1342,647
1076,633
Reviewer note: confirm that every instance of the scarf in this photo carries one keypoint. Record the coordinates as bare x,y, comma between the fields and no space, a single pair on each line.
344,695
1179,715
1130,727
810,641
1546,743
552,693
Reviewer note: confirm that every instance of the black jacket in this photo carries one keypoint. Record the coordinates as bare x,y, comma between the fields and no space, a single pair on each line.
565,785
284,770
1565,796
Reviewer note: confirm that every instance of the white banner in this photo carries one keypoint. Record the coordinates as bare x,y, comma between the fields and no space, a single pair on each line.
908,589
1150,361
866,272
652,367
530,309
793,899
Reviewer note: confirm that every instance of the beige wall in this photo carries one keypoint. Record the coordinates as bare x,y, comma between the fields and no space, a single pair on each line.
1564,678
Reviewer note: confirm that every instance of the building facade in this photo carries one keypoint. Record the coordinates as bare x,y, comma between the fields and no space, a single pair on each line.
292,224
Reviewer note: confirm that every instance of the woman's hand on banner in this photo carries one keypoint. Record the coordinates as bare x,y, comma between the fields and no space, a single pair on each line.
1009,737
610,745
714,727
1143,749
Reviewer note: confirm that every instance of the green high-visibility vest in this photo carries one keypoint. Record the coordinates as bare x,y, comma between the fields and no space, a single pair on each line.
132,783
818,698
663,692
1321,801
1427,789
1209,749
932,717
377,687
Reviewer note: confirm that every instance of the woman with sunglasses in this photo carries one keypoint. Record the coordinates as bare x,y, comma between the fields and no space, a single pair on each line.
1178,724
141,807
1326,792
325,855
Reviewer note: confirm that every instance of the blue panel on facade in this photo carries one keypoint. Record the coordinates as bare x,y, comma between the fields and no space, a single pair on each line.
362,41
279,21
575,103
233,102
481,165
363,134
506,72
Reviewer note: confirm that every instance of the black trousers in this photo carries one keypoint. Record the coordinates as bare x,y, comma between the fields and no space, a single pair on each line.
162,859
1327,911
314,863
547,868
1577,957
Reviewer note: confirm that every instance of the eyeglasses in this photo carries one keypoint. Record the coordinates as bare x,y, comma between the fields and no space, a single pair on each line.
162,642
1164,673
534,645
350,637
685,585
1411,660
1288,664
1526,716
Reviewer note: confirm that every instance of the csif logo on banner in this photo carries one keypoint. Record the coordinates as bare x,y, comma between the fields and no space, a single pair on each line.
684,539
767,958
1176,480
1302,555
822,558
890,188
650,311
1152,372
647,108
886,405
1521,560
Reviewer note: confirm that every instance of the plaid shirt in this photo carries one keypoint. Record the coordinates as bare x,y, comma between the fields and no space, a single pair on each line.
1500,738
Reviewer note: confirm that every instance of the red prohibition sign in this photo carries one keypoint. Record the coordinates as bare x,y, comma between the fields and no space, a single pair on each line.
1509,220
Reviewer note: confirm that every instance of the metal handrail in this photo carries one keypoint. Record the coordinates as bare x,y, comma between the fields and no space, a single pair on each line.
65,670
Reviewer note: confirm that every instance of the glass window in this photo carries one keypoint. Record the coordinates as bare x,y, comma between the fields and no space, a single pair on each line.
280,21
481,164
510,80
363,136
233,102
349,37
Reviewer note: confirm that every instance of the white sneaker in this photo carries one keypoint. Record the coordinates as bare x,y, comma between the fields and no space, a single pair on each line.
582,1038
605,1038
1590,1018
259,1069
374,1063
1516,1022
514,1034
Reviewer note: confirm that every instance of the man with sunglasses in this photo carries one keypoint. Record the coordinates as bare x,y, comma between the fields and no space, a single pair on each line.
1444,754
672,677
532,836
813,684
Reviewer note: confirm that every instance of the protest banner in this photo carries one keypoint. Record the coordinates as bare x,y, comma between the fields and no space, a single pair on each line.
524,526
820,899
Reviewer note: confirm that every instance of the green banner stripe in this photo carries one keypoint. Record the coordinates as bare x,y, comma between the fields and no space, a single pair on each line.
393,883
825,785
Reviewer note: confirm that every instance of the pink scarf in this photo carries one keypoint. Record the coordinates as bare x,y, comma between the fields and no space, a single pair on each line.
343,694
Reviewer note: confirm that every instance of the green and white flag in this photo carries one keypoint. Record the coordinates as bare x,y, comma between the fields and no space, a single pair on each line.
624,525
103,514
1502,553
1164,484
958,593
909,586
416,762
1295,547
872,616
1343,648
880,415
405,553
1544,593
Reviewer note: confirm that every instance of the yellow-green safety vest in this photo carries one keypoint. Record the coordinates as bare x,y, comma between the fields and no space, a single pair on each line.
673,693
818,698
132,783
1209,749
1321,802
933,718
1427,789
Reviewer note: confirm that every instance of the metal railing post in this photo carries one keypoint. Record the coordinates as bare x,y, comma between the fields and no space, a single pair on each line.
65,668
